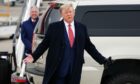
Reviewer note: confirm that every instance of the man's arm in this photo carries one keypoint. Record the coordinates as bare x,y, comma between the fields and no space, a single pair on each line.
44,45
91,49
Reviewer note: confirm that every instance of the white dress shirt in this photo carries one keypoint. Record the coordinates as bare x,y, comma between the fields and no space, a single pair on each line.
72,26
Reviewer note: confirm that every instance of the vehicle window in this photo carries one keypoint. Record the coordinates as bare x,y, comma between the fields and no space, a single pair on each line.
112,22
53,17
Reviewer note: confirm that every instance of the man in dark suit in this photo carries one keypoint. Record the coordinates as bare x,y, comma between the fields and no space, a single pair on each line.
27,29
66,41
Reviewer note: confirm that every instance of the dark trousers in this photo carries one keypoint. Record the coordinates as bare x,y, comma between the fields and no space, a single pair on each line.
62,79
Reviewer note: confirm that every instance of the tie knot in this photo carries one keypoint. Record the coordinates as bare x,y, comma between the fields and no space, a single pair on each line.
69,25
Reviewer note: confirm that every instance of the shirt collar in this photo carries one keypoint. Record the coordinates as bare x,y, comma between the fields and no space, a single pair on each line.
34,20
72,23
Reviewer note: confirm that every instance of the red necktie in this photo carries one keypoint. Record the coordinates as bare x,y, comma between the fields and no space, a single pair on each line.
71,35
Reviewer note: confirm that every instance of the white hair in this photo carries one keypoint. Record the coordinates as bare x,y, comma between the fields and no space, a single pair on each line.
34,7
66,7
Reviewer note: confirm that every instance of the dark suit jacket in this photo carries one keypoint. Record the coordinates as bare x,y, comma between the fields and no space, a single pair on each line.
27,29
54,40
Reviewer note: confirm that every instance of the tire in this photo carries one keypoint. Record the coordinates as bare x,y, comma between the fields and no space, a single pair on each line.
126,78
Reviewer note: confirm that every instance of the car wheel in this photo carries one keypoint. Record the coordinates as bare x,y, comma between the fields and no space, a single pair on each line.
126,78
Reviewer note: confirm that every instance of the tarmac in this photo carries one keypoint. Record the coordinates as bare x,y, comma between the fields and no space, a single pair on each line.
14,14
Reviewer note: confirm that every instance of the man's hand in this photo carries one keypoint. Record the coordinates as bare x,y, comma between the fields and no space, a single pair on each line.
28,59
108,63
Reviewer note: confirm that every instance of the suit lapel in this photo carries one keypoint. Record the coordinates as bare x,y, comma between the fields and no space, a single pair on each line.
62,28
76,32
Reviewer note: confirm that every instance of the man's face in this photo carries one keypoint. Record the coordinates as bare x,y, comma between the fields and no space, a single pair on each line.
68,14
34,13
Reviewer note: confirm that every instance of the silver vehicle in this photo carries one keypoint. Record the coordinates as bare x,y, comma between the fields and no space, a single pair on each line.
114,28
